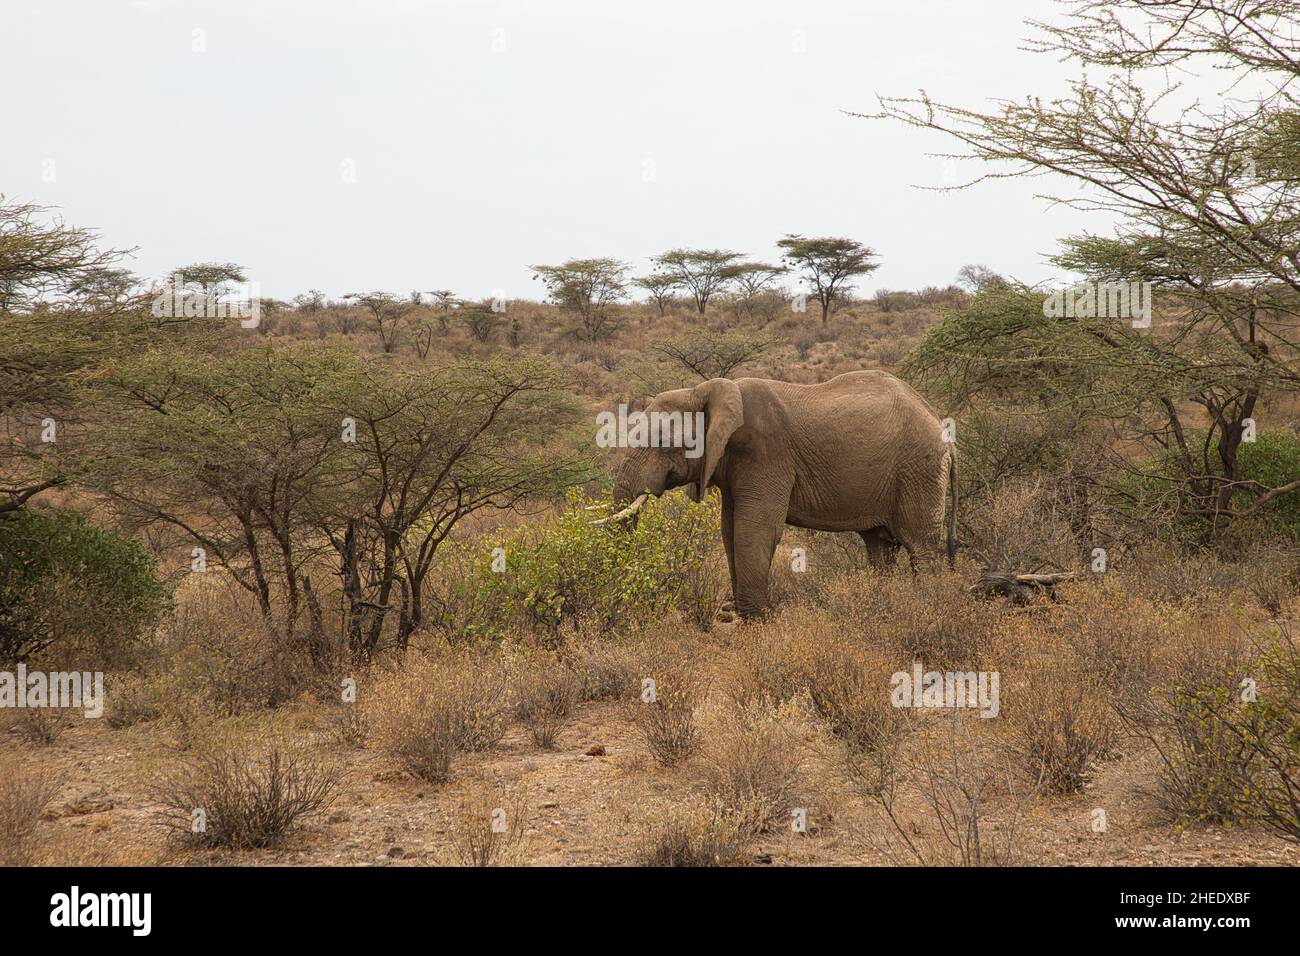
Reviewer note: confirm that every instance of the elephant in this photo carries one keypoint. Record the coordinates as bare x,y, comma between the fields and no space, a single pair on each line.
861,452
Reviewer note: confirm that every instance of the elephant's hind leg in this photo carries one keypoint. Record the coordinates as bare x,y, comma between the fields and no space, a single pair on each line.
882,549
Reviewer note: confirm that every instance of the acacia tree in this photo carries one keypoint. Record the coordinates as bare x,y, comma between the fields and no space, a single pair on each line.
42,260
700,272
828,265
588,287
433,448
711,354
660,288
229,452
66,313
386,314
291,465
752,280
1206,204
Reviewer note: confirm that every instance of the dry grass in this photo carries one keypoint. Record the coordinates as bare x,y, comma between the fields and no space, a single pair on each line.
427,710
487,827
751,770
545,693
24,795
238,792
703,836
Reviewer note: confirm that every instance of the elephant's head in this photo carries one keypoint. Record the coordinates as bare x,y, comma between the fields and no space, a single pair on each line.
654,470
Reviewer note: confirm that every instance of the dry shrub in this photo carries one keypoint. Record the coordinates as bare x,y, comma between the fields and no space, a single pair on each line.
848,687
665,716
346,724
752,770
1021,528
42,725
703,836
545,693
955,781
1207,768
766,667
24,795
221,649
427,710
241,792
1166,574
931,616
132,698
1114,635
606,670
1062,718
1274,579
217,657
487,827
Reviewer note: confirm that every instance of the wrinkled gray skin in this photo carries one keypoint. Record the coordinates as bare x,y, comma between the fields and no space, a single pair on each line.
862,452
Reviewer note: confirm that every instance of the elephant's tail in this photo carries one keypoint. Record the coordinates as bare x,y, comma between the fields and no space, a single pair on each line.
952,512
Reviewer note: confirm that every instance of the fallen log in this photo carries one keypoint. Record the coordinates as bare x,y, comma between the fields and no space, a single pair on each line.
1020,588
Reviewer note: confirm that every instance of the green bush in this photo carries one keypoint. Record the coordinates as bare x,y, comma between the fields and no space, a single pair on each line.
71,589
1272,459
577,573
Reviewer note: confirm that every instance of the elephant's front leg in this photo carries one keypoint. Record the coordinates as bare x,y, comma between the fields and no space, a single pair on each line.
729,543
757,527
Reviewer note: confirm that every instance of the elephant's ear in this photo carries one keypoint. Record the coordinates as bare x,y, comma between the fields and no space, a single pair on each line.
724,412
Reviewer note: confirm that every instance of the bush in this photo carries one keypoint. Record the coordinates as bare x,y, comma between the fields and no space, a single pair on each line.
580,574
24,795
545,693
1270,729
1190,719
42,725
72,589
216,657
426,711
932,618
239,794
1271,460
665,716
1063,719
752,771
850,694
606,670
693,838
487,827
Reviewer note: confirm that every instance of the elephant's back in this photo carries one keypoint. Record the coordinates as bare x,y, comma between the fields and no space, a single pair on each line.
866,395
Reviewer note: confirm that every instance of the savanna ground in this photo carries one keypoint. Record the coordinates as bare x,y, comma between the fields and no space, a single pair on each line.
519,698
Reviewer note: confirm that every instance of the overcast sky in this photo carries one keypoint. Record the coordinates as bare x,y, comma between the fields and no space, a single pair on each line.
398,145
